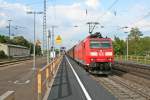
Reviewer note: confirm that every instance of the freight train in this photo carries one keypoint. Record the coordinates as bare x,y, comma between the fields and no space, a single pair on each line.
95,53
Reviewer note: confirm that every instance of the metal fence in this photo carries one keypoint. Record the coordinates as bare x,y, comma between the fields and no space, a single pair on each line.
45,76
135,59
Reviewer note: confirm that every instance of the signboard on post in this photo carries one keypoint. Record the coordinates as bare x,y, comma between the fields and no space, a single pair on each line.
58,40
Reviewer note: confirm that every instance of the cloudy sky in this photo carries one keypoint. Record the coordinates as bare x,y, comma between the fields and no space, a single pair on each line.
112,14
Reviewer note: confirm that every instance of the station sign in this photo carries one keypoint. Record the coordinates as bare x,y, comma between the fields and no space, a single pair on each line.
58,39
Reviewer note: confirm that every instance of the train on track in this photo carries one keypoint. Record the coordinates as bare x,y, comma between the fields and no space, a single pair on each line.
95,53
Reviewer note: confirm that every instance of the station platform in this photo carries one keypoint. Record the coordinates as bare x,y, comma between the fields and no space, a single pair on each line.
72,82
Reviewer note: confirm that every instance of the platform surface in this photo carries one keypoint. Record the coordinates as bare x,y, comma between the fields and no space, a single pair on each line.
67,87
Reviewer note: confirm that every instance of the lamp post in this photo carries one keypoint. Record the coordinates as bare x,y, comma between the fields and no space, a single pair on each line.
127,49
126,27
48,44
34,13
53,40
9,37
127,45
9,27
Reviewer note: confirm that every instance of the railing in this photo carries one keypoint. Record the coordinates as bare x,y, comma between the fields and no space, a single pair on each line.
136,59
45,76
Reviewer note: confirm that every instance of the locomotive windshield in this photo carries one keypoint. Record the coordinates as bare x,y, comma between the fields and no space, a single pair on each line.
100,44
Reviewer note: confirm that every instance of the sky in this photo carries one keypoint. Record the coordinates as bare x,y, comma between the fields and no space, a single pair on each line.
65,14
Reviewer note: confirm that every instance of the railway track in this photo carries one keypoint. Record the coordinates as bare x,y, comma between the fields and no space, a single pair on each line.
142,91
123,89
127,82
140,80
12,62
137,70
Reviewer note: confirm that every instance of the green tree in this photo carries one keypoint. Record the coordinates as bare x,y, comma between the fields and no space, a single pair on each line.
144,44
134,41
20,40
2,54
135,34
38,50
31,47
4,39
119,46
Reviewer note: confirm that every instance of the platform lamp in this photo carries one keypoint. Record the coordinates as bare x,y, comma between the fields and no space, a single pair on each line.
127,45
34,13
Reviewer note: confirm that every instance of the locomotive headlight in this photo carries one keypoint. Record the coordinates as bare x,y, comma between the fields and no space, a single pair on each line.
108,54
93,53
93,59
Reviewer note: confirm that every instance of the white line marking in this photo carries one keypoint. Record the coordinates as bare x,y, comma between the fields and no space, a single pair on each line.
80,83
21,83
28,81
15,82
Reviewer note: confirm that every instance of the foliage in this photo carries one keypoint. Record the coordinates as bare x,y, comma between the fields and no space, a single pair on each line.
135,34
57,51
38,50
2,54
135,42
137,45
4,39
119,46
145,46
20,40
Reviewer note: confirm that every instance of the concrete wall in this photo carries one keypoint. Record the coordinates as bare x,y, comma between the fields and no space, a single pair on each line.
19,51
14,51
4,48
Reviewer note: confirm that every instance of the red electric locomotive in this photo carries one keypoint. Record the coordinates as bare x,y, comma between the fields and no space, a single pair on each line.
95,53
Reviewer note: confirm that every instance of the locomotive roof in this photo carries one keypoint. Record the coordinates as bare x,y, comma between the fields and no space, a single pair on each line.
97,35
98,38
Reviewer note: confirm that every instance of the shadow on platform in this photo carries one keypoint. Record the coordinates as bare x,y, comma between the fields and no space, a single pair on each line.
61,85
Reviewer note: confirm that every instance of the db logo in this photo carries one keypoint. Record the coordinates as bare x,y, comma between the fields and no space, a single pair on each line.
101,53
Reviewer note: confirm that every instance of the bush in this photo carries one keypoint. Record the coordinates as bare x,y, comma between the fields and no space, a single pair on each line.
2,54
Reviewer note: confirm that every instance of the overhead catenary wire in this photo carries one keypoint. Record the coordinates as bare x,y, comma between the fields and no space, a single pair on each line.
140,19
131,24
36,3
109,8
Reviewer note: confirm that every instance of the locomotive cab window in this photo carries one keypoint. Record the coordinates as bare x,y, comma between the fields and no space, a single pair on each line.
100,44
